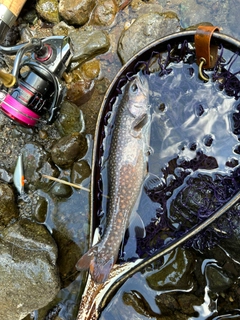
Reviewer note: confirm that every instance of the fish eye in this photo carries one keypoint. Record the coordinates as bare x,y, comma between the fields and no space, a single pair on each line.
134,87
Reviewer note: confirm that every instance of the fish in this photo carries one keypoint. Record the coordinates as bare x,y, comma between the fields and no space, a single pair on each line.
126,170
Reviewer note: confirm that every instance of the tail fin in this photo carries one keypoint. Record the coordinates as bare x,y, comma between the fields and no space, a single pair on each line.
99,267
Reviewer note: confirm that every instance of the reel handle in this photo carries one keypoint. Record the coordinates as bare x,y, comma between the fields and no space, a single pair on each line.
10,10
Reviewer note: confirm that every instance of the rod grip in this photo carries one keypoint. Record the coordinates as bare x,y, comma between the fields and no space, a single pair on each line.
15,6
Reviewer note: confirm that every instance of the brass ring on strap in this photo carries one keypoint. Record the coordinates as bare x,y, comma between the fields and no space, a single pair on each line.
200,70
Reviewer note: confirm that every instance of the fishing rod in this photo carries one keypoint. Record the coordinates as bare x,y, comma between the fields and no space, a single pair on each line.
161,252
10,10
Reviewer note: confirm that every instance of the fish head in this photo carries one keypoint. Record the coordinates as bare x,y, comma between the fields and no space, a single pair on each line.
138,96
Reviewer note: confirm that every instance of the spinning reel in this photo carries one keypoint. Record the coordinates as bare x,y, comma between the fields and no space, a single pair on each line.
32,91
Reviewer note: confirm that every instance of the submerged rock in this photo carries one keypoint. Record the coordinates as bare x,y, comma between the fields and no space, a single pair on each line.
70,119
28,267
145,29
69,149
91,69
80,171
175,272
80,91
80,82
61,190
217,280
91,107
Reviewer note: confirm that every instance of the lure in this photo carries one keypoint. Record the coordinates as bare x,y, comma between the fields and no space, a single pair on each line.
18,176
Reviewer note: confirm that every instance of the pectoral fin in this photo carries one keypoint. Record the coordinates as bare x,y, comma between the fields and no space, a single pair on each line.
139,122
152,182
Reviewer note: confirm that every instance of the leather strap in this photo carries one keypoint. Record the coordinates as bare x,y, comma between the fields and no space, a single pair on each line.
205,51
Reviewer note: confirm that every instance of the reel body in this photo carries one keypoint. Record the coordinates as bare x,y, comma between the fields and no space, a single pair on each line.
37,91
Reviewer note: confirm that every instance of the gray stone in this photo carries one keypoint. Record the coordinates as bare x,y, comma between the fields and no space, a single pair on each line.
29,276
88,43
145,29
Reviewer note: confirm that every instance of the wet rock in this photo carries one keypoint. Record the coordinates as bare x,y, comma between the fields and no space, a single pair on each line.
80,91
48,10
91,108
28,33
88,43
167,303
41,209
36,161
29,16
8,208
28,267
12,37
217,280
175,272
70,119
137,301
231,226
104,13
68,256
80,82
69,149
62,29
187,301
61,190
80,171
90,69
76,11
145,29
